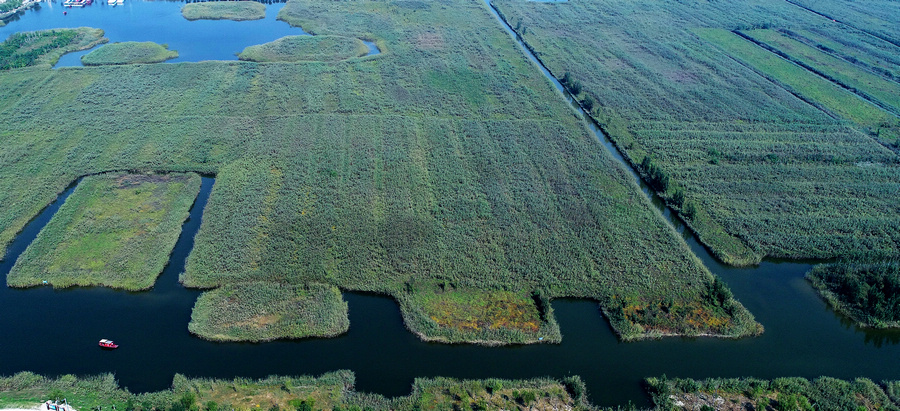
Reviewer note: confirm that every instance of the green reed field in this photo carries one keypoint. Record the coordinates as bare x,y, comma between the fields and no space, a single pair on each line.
115,230
224,10
266,311
129,52
760,157
447,158
306,48
823,393
329,391
867,293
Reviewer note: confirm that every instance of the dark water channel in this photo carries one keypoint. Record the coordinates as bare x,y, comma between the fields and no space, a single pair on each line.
54,332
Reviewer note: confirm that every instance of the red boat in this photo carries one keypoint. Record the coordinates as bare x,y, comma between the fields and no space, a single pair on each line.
104,343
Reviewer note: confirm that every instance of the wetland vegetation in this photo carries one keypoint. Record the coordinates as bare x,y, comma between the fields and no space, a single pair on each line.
45,47
267,311
224,10
115,230
868,293
306,48
129,52
760,156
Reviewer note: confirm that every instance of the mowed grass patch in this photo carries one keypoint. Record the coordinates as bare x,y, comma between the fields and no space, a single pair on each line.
867,293
306,48
487,317
129,52
224,10
115,230
266,311
45,47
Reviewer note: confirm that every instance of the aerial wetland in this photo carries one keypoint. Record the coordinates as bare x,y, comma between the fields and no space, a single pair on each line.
394,200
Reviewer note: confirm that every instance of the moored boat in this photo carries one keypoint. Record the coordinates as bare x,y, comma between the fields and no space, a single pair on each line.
109,344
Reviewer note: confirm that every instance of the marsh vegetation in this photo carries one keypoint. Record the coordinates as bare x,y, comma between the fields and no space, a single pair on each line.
868,293
129,52
224,10
45,47
306,48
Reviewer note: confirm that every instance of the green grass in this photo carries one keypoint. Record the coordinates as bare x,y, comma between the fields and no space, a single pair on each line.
115,230
856,47
224,10
329,391
129,52
306,48
759,156
265,311
868,293
823,393
449,158
45,47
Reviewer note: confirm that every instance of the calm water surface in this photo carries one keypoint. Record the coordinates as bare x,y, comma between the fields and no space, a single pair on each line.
55,331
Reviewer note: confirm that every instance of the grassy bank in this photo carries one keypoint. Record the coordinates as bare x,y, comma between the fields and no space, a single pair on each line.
330,391
45,47
868,293
129,52
115,230
224,10
306,48
265,311
448,158
800,394
759,156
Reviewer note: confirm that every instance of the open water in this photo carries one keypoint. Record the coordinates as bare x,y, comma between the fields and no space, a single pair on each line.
55,332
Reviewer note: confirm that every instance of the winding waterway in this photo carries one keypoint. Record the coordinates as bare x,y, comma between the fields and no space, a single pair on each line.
54,332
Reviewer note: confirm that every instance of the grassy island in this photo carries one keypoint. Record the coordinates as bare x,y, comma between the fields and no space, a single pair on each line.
129,52
306,48
224,10
800,394
115,230
45,47
868,293
266,311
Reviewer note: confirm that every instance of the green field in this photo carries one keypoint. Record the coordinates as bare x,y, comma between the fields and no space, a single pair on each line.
867,293
115,230
264,311
224,10
45,47
330,391
800,394
449,158
759,156
306,48
129,52
855,47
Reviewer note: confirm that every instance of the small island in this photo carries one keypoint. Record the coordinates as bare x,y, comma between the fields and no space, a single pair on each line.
224,10
306,48
129,52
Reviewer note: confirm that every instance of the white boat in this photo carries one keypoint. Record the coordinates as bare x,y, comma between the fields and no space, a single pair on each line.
120,1
112,2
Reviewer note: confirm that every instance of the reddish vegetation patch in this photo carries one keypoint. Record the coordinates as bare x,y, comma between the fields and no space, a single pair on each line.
483,310
675,317
429,41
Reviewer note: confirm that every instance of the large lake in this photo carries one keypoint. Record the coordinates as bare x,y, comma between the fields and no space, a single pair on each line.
55,331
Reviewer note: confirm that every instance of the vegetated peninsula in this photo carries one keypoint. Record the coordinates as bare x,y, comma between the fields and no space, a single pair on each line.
771,130
115,230
45,47
329,391
867,293
267,311
306,48
446,170
129,52
224,10
823,393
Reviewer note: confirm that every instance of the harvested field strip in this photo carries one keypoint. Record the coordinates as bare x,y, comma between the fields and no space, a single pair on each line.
816,89
858,48
868,85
